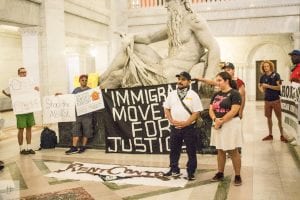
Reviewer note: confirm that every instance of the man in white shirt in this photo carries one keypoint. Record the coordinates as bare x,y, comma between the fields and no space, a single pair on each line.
182,108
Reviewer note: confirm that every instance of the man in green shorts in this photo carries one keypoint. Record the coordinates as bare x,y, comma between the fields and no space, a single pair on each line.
24,121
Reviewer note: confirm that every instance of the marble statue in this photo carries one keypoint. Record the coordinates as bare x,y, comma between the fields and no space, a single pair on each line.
189,41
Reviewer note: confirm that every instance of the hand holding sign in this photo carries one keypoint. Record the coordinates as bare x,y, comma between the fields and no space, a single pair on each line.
25,97
89,101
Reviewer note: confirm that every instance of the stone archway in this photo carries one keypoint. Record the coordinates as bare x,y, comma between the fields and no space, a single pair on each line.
267,50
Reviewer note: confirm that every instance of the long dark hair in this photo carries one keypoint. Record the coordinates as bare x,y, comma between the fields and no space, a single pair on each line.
226,76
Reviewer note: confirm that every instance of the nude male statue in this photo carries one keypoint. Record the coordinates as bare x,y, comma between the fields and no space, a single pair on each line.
188,38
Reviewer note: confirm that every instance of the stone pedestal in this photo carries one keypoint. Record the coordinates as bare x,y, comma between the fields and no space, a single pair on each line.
96,142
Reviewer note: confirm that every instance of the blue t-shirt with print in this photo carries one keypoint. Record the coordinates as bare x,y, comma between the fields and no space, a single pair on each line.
270,94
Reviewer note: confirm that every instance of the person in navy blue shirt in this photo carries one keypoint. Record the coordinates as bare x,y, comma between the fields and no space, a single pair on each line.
270,84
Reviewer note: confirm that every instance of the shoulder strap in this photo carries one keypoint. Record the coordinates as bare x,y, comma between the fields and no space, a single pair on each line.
185,106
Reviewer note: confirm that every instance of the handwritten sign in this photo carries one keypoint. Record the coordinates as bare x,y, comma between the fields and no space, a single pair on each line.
25,99
89,101
59,108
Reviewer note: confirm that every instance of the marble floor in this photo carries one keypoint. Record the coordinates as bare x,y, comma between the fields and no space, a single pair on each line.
270,170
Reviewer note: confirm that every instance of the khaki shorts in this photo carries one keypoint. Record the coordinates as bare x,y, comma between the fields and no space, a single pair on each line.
270,105
25,120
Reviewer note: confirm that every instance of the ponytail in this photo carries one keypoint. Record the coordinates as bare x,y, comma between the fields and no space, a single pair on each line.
232,84
226,76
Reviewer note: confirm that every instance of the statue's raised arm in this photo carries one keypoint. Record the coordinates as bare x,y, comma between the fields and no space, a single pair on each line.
206,39
188,38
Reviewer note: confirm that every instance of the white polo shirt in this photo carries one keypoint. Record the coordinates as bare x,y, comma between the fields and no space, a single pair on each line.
178,112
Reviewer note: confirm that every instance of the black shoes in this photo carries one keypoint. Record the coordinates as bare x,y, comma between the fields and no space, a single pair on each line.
218,177
176,174
72,150
75,150
82,149
26,152
171,173
30,151
191,177
23,152
237,180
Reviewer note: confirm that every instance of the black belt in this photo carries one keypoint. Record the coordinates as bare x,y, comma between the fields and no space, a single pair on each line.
189,126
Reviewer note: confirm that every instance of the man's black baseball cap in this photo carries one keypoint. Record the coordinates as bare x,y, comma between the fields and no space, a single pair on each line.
228,65
185,75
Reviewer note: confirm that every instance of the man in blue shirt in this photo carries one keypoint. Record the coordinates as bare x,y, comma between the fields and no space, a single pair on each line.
83,126
269,84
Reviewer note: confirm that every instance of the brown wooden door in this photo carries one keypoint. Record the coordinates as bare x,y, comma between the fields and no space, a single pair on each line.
259,94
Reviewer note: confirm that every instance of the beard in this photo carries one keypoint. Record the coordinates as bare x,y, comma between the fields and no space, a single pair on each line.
296,60
174,25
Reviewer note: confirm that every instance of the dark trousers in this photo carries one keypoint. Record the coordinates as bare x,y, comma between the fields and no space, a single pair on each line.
189,136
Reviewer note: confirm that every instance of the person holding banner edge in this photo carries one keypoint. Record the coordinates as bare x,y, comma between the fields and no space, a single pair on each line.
182,108
82,127
295,57
24,121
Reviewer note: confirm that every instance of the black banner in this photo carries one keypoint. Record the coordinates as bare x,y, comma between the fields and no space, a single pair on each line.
134,119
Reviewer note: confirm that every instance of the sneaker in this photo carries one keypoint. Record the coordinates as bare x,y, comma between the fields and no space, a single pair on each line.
269,137
82,149
218,177
72,150
171,173
283,139
30,151
23,152
237,180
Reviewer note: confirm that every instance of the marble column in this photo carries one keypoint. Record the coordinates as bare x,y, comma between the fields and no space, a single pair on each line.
54,74
296,39
31,51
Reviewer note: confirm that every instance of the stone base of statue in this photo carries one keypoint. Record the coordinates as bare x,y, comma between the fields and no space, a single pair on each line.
96,142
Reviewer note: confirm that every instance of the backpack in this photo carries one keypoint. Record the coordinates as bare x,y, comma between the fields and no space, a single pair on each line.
48,139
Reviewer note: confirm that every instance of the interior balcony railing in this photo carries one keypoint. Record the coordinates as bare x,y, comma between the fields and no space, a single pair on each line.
160,3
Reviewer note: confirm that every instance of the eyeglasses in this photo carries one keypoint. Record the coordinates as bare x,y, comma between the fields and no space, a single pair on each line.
83,80
23,72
